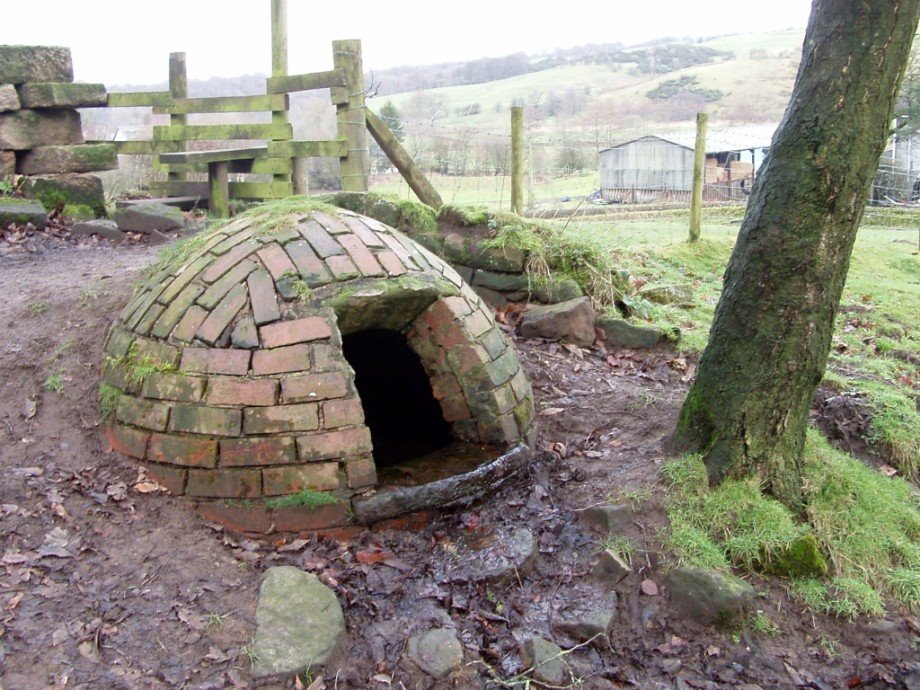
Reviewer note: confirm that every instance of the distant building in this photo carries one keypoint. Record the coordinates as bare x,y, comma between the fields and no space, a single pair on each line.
661,167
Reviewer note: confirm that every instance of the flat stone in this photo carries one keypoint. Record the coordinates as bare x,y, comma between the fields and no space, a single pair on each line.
299,623
608,518
244,334
7,164
56,95
508,560
68,159
546,660
588,617
708,596
494,299
571,322
20,64
501,282
104,228
21,130
69,189
146,218
9,98
507,259
610,568
437,652
666,294
620,333
555,291
22,211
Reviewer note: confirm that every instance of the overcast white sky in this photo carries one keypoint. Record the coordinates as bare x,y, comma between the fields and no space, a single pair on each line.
117,42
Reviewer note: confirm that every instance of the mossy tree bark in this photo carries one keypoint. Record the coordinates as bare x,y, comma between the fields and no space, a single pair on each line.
747,410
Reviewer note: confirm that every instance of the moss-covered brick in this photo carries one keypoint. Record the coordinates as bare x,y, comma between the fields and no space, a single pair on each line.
115,375
503,368
219,483
21,64
176,387
310,387
292,479
263,297
320,240
465,358
243,452
494,343
231,280
504,430
175,311
334,444
173,479
296,331
229,261
240,391
207,360
214,421
454,408
190,323
281,360
118,342
233,235
220,317
161,354
127,441
146,323
524,414
360,472
342,267
478,323
521,386
63,95
270,420
309,266
342,412
186,451
143,413
183,279
77,158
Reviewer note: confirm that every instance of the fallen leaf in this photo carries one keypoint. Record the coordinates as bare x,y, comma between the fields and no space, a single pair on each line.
193,620
14,600
55,544
649,588
550,411
89,651
382,678
370,557
575,350
148,487
295,545
887,470
712,650
30,409
118,492
318,684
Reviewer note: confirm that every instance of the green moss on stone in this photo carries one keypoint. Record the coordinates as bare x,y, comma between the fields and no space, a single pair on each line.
801,558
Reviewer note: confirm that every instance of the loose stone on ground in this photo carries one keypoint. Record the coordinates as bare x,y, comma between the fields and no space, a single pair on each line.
437,652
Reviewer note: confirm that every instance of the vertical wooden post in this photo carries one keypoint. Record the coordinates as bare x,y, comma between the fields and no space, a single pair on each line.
346,55
280,69
517,160
218,189
178,88
699,166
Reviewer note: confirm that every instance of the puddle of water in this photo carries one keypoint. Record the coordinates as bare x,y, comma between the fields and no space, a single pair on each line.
456,458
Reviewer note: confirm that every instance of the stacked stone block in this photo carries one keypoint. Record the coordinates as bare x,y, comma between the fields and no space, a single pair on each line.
229,370
41,134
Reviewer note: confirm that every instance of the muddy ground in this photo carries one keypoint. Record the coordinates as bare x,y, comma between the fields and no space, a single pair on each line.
104,584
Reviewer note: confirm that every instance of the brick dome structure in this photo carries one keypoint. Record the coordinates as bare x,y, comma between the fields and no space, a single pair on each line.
294,352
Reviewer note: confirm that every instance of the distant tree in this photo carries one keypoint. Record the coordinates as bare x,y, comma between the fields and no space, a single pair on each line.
391,117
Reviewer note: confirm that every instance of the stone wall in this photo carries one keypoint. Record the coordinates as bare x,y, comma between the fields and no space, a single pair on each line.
41,135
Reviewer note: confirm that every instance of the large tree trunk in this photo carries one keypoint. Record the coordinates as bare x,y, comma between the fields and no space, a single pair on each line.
771,336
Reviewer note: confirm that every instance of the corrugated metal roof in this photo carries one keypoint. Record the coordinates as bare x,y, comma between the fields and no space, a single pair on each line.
741,138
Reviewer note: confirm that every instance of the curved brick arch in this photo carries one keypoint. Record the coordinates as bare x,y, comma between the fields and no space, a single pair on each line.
229,373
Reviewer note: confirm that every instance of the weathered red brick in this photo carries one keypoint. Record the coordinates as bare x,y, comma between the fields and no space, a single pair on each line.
452,335
342,267
391,263
239,517
145,324
175,311
281,360
296,331
332,224
174,387
311,268
270,420
189,323
156,352
327,358
127,441
218,320
320,240
276,260
465,358
397,248
445,385
224,483
361,255
239,391
334,444
306,519
173,479
361,229
211,297
241,452
229,260
458,306
494,343
183,450
143,413
454,408
313,387
292,479
264,298
219,360
478,323
215,421
343,412
360,473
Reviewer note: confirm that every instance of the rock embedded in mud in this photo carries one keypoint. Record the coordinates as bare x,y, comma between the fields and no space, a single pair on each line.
437,652
610,568
146,218
22,211
508,560
570,322
620,333
101,227
546,660
609,518
299,623
585,617
708,596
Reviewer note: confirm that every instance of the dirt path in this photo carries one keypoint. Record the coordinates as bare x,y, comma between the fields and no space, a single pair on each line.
104,586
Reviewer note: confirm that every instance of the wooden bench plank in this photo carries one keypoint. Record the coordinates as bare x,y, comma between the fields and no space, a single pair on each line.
219,132
215,155
138,99
333,148
238,190
306,82
256,166
225,104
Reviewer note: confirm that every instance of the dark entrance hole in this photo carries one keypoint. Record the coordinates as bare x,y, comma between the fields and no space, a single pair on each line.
404,418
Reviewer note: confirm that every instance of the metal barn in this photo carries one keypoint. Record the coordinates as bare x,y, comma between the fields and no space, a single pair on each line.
660,168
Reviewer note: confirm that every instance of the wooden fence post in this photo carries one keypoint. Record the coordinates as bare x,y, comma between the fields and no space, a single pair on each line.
699,168
280,69
346,55
178,88
517,160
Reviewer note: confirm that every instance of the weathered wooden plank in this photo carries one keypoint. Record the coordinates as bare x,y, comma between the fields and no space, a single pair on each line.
218,192
145,148
218,132
215,155
178,88
517,160
258,166
382,134
333,148
356,164
225,104
138,99
238,190
306,82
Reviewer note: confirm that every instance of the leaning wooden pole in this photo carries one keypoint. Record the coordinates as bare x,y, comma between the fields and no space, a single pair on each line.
517,160
350,115
178,88
699,168
417,181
